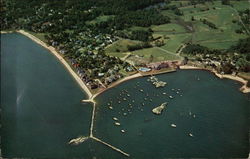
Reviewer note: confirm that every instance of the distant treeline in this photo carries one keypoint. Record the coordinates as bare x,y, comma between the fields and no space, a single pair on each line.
243,47
72,14
55,17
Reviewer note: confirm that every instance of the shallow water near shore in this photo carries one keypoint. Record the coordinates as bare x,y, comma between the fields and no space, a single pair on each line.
41,112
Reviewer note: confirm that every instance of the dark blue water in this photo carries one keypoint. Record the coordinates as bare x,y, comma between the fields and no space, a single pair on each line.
41,108
41,112
219,119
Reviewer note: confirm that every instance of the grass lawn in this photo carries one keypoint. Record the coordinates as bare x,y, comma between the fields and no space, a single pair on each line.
134,28
218,45
240,5
38,35
168,28
99,19
158,55
121,46
222,16
120,55
169,13
176,41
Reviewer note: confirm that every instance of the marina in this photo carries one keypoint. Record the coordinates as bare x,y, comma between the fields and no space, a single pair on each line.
178,120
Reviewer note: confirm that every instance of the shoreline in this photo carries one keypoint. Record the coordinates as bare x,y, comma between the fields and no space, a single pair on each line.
91,96
71,71
60,58
243,89
137,75
6,32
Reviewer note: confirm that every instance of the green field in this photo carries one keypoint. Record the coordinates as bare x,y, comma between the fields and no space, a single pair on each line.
221,16
99,19
121,46
242,5
158,54
120,55
175,41
168,28
176,33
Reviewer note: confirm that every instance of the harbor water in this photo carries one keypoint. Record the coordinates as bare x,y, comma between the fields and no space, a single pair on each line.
41,112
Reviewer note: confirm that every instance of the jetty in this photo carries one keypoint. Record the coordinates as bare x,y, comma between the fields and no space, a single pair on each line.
114,148
92,120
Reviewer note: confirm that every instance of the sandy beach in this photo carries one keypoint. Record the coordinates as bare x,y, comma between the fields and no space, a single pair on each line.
117,83
243,89
75,76
6,32
61,59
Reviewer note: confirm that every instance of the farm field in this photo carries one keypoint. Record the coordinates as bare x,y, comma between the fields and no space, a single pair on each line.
99,19
175,41
121,46
155,54
222,16
188,28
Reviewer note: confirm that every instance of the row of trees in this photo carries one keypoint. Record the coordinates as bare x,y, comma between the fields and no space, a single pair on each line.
198,49
242,47
142,18
139,46
210,24
72,14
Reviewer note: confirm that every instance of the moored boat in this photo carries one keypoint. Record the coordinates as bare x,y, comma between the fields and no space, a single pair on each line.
173,125
117,123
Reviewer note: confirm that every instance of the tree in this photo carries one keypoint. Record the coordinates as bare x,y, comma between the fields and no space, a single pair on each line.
227,68
242,46
225,2
248,57
141,35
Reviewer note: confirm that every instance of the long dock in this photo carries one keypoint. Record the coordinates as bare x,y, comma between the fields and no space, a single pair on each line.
114,148
92,121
